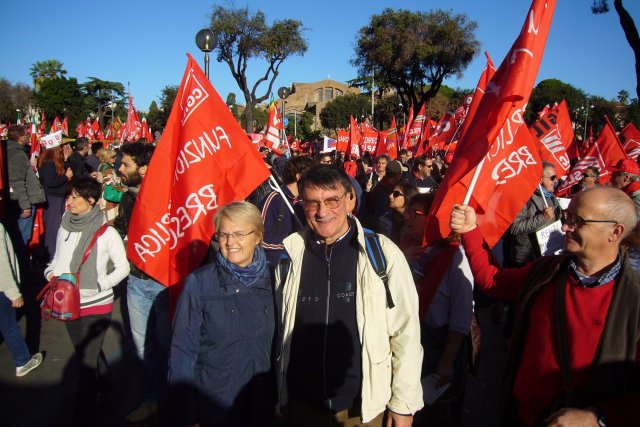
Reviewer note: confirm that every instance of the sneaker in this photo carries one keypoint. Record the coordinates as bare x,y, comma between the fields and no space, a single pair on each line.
32,364
142,412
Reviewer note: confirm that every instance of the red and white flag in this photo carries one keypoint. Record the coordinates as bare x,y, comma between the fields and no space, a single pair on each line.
56,126
274,126
203,161
343,141
631,142
605,151
392,140
445,129
414,134
496,135
65,126
554,131
355,139
133,127
407,126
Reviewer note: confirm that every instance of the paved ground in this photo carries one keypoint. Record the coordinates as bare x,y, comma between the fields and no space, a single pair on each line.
45,396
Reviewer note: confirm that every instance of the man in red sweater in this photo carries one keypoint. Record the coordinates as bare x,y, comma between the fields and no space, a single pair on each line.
580,311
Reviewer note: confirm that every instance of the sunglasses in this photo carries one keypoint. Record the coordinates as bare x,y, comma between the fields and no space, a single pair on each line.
396,194
589,175
551,178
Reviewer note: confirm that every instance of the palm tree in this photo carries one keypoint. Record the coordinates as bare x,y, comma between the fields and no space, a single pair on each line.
49,69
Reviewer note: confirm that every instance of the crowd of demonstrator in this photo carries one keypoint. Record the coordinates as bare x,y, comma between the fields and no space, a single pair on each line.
320,305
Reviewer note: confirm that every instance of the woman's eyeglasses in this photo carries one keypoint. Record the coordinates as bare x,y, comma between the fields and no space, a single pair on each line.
237,235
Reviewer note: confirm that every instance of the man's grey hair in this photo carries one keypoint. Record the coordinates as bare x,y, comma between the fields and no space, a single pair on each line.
617,206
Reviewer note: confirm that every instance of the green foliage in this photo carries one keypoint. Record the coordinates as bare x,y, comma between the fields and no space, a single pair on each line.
100,94
414,52
550,91
302,129
337,112
242,37
13,97
61,97
45,70
631,113
154,117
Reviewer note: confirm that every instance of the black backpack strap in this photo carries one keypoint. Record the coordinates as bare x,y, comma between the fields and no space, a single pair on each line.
378,261
283,268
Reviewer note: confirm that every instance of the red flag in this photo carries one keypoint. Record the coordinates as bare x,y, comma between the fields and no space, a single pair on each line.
43,124
631,143
65,126
407,126
133,127
445,129
37,230
80,129
95,127
146,132
414,134
355,138
351,168
274,126
604,152
369,140
392,140
554,131
481,87
56,126
203,161
491,133
343,141
120,133
381,148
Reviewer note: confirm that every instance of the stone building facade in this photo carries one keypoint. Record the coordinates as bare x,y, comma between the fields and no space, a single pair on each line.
313,97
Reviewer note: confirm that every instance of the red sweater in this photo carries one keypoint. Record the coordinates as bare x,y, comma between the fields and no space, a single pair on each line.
538,379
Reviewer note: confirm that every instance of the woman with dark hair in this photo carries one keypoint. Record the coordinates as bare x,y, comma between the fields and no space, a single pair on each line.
391,224
54,176
220,367
105,267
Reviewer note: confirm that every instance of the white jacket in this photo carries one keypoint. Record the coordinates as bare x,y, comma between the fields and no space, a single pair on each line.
390,338
109,247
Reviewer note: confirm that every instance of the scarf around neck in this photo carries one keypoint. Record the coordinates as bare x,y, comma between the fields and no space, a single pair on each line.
249,274
86,225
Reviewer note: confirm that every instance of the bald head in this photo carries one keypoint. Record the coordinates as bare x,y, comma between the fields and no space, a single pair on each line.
609,203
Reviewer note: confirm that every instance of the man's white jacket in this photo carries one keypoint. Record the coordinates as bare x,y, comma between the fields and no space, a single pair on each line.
389,337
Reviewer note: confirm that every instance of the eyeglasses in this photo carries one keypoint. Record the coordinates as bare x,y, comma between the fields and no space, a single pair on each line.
314,205
576,221
429,166
396,194
412,213
551,178
237,235
589,175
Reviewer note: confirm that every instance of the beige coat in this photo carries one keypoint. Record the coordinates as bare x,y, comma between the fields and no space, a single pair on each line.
390,338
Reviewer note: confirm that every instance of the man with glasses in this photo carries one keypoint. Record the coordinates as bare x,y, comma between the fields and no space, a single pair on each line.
541,210
574,356
626,177
589,180
424,175
347,355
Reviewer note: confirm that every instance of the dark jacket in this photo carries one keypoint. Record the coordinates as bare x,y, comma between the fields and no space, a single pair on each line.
615,379
220,368
53,184
121,224
24,185
279,222
78,165
524,246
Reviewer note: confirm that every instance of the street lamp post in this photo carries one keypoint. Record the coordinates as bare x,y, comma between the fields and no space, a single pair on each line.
586,117
206,42
400,106
283,93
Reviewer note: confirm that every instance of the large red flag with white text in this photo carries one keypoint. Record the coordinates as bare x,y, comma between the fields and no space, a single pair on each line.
414,134
631,143
133,127
203,161
343,141
605,151
492,131
355,138
274,126
392,140
554,131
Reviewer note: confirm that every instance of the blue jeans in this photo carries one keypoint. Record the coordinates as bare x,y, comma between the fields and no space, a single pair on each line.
10,331
26,226
148,304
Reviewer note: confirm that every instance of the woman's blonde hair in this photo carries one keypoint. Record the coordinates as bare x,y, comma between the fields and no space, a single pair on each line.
105,155
241,213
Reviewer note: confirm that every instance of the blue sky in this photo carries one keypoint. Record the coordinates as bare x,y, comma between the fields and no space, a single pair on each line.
144,42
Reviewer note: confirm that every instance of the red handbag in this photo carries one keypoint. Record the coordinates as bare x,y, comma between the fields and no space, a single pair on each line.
61,296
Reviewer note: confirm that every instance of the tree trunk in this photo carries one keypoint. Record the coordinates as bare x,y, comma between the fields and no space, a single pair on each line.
248,116
631,33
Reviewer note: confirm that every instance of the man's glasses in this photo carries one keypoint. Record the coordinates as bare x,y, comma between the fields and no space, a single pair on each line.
412,213
396,194
429,166
314,205
237,235
589,175
576,221
551,178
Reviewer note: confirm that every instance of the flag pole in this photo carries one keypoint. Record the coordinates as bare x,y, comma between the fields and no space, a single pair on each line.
276,187
454,135
474,180
544,199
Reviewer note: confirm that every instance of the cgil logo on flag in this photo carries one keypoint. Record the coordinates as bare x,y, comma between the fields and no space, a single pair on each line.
194,95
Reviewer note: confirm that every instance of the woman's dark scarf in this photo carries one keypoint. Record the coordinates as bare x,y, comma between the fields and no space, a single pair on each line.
249,274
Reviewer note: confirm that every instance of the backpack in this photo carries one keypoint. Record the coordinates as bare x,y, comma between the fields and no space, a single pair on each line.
374,253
